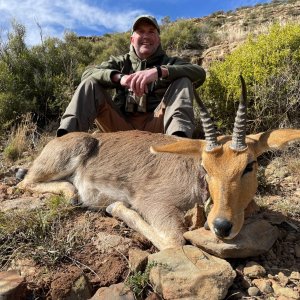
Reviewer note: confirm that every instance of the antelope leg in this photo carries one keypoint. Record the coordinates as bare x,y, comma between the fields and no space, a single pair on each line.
136,222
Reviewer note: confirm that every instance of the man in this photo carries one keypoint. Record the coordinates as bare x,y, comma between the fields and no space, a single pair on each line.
154,92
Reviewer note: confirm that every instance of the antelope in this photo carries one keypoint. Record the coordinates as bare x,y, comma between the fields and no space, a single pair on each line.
149,180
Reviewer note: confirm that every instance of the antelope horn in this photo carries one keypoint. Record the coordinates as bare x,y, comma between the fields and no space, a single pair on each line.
239,131
208,126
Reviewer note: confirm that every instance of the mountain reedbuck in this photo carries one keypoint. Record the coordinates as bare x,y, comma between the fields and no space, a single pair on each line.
149,180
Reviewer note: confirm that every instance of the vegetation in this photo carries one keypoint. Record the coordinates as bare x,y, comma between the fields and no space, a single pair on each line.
269,64
186,34
38,234
43,78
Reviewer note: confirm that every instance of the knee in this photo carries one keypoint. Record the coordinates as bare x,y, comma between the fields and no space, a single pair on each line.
184,82
89,82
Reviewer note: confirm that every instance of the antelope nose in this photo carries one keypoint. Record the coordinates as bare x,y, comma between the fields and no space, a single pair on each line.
222,227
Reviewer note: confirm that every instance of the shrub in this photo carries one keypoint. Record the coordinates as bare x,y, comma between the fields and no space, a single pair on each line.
186,34
270,67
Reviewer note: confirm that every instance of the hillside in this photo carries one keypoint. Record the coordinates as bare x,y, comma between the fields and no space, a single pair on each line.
233,27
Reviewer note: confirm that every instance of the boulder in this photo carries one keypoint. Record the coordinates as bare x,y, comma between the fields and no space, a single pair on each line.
189,273
12,285
255,238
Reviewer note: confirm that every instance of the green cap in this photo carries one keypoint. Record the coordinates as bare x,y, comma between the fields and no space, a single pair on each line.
146,18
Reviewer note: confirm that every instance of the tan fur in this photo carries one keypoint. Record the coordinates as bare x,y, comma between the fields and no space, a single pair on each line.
108,168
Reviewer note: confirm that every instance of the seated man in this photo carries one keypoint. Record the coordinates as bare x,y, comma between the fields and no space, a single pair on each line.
153,92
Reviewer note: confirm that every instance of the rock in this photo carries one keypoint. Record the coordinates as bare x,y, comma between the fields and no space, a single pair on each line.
138,259
190,273
253,291
255,238
295,275
195,217
254,270
107,243
283,279
153,296
70,284
114,292
297,250
12,285
26,266
284,291
24,203
265,286
81,289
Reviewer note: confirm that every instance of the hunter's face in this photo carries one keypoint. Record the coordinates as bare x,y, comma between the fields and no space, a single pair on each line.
145,39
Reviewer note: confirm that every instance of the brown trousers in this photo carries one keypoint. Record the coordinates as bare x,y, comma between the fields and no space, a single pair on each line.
91,103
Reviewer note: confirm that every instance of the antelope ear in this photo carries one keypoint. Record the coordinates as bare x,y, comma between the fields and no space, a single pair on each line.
275,139
185,147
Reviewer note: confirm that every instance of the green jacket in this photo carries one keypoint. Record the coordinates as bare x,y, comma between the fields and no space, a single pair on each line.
130,63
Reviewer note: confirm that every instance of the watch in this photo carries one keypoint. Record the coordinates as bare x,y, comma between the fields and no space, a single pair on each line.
159,71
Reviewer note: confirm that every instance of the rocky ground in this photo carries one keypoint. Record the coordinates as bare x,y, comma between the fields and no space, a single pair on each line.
105,249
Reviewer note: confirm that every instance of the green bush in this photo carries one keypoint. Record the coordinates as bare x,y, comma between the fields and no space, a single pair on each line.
39,79
264,62
187,34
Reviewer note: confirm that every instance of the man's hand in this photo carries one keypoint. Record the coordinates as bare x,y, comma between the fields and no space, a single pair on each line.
137,82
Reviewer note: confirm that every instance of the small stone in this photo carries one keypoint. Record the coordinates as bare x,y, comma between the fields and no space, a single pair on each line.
297,250
245,282
265,286
284,291
153,296
254,270
253,291
283,279
295,276
115,291
195,217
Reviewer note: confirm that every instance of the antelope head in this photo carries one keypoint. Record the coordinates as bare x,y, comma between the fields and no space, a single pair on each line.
230,163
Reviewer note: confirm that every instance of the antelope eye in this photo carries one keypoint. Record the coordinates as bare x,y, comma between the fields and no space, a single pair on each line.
249,167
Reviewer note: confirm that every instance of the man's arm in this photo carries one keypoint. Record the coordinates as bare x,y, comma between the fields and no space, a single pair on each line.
106,72
177,68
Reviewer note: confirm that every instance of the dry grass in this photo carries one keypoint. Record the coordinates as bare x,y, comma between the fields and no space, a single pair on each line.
19,140
24,140
39,234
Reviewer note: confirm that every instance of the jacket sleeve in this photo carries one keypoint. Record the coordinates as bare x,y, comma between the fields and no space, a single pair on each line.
178,68
104,71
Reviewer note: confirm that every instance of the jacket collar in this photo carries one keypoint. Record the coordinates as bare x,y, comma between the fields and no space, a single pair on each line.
155,58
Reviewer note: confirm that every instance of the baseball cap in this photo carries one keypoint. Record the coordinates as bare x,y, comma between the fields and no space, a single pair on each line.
146,18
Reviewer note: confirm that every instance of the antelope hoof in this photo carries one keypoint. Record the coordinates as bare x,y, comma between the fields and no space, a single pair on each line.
75,201
110,208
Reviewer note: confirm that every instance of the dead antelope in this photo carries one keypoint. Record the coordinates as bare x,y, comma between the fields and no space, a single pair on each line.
151,190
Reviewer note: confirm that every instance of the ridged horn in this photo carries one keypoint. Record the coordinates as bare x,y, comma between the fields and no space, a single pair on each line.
208,126
239,130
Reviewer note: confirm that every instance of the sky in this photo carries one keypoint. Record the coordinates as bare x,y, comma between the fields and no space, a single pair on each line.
95,18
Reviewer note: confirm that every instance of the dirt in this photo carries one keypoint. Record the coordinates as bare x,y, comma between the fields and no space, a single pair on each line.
102,269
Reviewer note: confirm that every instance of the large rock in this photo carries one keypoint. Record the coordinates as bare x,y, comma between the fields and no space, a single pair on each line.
12,285
190,273
255,238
